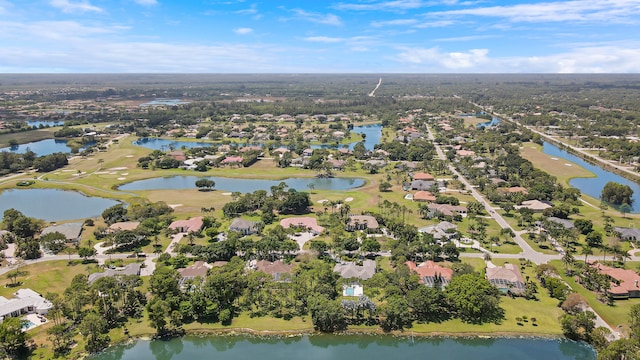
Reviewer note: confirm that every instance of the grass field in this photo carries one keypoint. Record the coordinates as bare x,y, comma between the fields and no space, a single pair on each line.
24,137
617,315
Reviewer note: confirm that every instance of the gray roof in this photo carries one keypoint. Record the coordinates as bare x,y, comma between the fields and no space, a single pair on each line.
626,233
71,231
567,224
23,298
351,270
422,184
131,269
239,224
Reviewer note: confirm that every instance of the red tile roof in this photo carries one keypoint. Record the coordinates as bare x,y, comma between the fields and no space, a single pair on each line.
628,280
191,225
424,196
430,270
423,176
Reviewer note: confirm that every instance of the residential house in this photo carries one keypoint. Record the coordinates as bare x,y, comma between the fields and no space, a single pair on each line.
625,284
71,231
349,270
277,269
245,227
24,301
534,205
131,269
197,270
421,184
463,153
446,210
308,223
443,231
506,278
423,176
628,234
423,196
187,226
307,152
565,223
362,222
124,225
336,164
431,274
232,160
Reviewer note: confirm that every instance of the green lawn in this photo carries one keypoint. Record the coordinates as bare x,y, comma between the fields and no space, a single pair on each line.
616,315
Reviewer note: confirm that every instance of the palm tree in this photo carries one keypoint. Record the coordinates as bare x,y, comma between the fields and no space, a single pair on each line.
586,251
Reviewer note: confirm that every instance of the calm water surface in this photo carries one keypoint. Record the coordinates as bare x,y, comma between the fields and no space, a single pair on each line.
167,145
494,121
52,204
323,347
42,147
243,185
163,101
45,123
593,186
372,132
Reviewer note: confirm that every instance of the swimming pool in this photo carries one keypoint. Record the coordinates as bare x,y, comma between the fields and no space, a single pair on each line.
27,324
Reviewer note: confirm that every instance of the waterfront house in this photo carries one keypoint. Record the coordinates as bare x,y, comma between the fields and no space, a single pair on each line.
71,231
625,284
627,234
431,273
506,278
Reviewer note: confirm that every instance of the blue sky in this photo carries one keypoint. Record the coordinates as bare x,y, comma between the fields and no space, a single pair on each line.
314,36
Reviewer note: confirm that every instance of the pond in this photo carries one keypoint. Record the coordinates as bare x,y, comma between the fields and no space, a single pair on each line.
168,145
45,123
494,121
243,185
348,347
42,147
53,204
373,134
593,186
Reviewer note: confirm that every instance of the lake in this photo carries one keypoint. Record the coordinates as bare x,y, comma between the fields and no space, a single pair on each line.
348,347
243,185
373,134
165,102
42,147
53,204
167,144
593,186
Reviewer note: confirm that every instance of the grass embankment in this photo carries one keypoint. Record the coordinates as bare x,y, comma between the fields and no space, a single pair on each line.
24,137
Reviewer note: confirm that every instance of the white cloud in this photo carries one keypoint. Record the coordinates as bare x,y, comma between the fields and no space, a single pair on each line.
30,33
326,19
243,31
393,22
68,6
588,59
560,11
146,2
250,11
446,60
385,5
324,39
465,38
